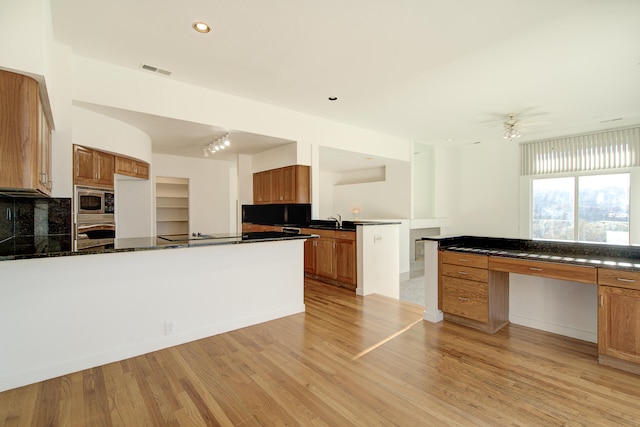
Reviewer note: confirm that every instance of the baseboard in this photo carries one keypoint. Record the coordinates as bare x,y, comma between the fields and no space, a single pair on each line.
405,276
566,331
433,317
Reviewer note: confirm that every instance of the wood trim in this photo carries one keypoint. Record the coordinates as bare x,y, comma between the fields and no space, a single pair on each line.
552,270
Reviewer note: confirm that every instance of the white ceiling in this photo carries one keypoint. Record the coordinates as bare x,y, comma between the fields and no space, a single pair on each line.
429,71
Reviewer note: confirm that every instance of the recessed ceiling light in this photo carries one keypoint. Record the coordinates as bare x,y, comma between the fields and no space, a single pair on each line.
450,140
201,27
333,98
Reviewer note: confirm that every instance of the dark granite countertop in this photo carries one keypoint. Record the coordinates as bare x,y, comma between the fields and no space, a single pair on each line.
323,224
623,257
152,243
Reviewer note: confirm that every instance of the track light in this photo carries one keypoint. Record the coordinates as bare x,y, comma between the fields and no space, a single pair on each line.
217,145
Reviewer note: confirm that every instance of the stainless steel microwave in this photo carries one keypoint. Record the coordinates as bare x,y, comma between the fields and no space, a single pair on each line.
94,201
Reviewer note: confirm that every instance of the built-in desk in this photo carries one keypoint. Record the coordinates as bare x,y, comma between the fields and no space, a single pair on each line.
473,285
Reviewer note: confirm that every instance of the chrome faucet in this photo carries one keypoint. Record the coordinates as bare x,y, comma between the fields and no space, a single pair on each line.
337,220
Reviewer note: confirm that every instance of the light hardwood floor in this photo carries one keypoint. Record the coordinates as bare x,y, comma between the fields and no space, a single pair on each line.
347,361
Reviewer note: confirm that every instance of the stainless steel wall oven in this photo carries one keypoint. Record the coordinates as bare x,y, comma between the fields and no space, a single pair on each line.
94,221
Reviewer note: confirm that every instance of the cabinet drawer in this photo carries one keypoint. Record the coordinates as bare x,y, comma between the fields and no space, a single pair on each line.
344,235
574,273
465,298
464,272
619,278
469,260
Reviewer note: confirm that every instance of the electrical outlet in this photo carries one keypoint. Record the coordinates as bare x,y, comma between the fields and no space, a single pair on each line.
377,238
169,327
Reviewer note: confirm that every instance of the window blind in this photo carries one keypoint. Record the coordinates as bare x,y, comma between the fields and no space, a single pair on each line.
618,148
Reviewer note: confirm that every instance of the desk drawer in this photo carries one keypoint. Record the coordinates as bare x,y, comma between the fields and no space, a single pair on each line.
574,273
464,272
468,260
619,278
465,298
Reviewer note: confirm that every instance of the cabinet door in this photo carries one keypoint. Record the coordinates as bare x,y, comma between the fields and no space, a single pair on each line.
619,323
105,168
346,261
287,185
277,186
262,187
325,258
18,131
141,170
310,255
83,166
465,298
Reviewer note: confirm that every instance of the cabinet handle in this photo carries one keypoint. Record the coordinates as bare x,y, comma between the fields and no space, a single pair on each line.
464,273
9,216
535,269
601,300
463,299
463,260
621,279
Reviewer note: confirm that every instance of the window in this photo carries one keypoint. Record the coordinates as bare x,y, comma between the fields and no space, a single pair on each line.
597,204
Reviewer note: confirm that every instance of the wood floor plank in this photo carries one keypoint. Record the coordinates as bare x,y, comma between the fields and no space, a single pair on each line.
347,361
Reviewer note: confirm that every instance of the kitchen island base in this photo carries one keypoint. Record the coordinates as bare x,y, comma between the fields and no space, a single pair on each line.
71,313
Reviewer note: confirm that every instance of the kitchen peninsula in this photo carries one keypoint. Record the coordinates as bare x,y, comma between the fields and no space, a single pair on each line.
141,296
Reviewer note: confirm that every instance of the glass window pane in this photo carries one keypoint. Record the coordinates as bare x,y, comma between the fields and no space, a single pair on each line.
603,208
553,208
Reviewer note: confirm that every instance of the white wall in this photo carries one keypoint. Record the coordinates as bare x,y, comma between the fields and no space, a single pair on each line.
390,198
212,191
95,130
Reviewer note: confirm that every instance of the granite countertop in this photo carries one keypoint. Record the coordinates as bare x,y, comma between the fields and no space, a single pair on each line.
322,224
154,243
623,257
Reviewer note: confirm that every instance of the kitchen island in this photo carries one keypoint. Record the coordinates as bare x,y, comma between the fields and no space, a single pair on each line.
71,311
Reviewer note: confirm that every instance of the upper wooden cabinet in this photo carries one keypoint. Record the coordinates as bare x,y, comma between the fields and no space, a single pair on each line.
93,167
25,136
132,167
290,184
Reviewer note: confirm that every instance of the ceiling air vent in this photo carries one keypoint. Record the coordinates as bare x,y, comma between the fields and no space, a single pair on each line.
155,69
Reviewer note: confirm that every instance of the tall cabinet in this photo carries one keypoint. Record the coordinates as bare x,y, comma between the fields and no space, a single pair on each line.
25,136
172,206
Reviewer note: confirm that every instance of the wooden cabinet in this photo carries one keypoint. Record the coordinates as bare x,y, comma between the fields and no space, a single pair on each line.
310,256
93,167
332,257
25,136
172,206
471,294
131,167
262,187
619,319
290,184
252,228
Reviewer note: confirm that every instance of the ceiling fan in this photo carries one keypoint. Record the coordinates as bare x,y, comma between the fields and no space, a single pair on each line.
511,132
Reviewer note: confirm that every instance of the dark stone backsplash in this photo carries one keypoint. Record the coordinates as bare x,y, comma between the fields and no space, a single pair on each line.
35,225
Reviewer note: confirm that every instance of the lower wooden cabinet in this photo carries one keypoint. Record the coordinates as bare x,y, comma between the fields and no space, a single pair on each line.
332,257
472,295
619,319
